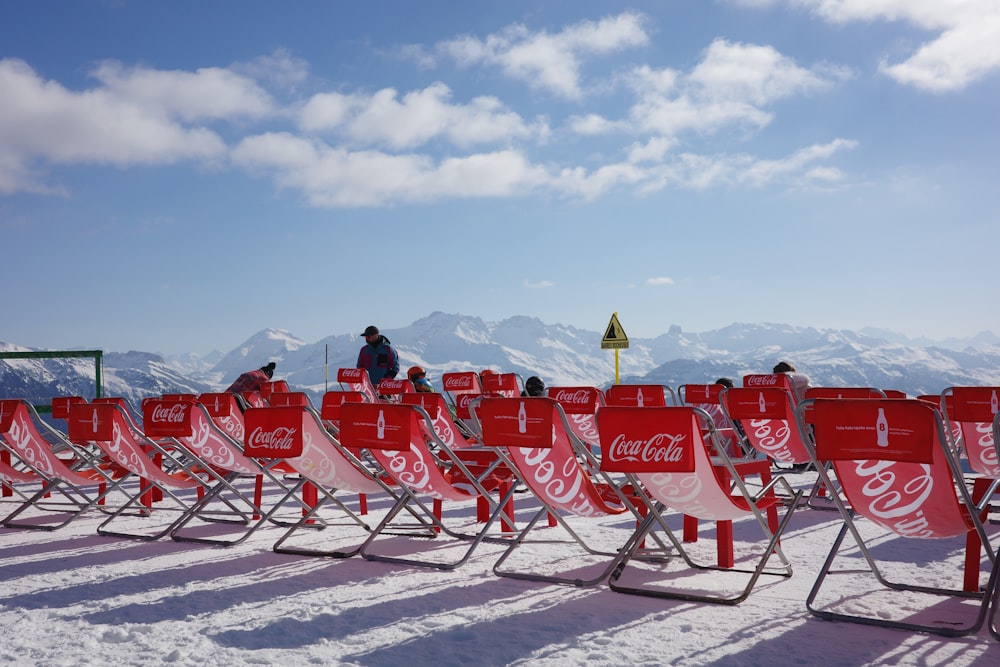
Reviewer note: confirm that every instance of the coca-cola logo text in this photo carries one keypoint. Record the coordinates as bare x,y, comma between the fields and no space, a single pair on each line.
660,448
169,413
573,397
762,380
457,382
280,439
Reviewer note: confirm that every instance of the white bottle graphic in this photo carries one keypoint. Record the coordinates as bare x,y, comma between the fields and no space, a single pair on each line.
380,426
760,402
638,399
881,429
994,406
522,419
94,421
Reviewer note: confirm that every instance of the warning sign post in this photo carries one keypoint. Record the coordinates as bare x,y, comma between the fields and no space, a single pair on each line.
615,339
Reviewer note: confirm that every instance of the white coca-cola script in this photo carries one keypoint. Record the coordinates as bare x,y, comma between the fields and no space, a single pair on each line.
457,382
169,413
662,447
281,438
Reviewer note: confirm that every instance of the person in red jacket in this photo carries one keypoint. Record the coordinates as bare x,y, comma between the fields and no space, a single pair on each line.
252,380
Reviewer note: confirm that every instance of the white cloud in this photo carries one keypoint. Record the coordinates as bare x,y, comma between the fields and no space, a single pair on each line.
731,85
207,93
539,284
550,61
335,177
414,119
966,48
766,171
749,74
129,120
279,68
662,280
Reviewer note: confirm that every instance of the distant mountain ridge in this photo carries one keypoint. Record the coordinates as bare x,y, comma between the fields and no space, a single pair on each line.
560,354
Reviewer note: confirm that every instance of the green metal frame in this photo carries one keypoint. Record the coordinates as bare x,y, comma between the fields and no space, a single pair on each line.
98,356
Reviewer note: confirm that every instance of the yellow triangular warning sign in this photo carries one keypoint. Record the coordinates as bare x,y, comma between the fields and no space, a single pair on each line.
614,337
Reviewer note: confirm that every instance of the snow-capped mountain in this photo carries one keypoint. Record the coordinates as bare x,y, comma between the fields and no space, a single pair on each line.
133,375
560,354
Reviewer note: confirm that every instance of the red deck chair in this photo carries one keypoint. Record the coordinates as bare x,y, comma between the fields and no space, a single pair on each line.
273,387
994,592
174,472
331,405
533,435
222,408
662,451
580,405
391,389
506,385
483,463
52,465
707,397
973,409
402,439
296,434
182,419
970,412
640,395
765,418
356,379
456,384
459,390
895,469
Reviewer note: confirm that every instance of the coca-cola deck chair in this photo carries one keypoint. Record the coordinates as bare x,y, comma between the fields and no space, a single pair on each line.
994,593
460,389
970,411
708,398
894,469
174,473
356,379
533,435
49,466
640,395
391,389
185,420
295,433
402,439
580,405
481,461
765,418
505,385
662,451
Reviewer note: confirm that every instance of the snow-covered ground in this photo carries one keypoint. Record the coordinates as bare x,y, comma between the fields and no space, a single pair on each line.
71,597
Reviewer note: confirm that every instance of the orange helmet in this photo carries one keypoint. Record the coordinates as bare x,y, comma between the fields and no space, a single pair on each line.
415,373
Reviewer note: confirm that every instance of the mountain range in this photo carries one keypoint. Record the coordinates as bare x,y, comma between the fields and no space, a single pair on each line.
559,354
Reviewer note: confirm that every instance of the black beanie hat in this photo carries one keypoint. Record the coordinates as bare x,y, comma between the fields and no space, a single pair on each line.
269,369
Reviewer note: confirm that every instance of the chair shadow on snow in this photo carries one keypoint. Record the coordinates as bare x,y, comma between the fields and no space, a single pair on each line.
268,580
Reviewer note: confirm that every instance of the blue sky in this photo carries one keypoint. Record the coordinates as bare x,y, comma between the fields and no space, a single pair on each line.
176,176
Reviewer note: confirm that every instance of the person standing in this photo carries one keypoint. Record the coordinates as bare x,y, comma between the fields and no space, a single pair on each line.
377,356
